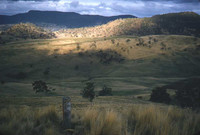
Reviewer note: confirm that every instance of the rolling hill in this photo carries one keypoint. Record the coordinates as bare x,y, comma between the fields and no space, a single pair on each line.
24,31
128,64
184,23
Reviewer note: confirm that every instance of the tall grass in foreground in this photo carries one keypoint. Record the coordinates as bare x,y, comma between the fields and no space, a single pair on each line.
141,120
153,120
28,121
97,120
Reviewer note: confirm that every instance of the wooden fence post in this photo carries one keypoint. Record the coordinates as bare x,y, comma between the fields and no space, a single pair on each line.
67,112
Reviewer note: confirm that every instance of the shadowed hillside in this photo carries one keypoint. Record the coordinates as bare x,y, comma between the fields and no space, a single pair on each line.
185,23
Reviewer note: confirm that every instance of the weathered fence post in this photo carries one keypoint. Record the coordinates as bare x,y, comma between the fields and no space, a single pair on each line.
67,112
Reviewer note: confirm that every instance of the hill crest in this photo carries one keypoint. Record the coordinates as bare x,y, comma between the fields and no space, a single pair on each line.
184,23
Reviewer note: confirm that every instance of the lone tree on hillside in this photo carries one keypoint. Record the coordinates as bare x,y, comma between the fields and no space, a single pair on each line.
106,91
88,91
160,95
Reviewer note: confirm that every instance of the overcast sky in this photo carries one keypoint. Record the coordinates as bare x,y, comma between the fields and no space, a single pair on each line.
139,8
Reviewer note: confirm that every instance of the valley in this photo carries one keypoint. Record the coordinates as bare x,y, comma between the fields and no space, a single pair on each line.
132,60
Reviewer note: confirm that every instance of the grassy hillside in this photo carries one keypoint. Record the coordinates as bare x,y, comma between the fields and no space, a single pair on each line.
130,65
24,31
185,23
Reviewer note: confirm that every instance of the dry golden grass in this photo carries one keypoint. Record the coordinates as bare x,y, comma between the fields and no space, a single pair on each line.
153,120
140,120
96,119
29,121
130,50
101,122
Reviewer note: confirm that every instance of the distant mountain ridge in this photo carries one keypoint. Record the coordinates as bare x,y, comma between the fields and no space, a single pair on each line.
68,19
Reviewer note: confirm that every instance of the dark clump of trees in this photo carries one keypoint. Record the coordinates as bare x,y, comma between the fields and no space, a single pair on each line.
108,56
186,93
88,91
188,97
160,95
106,91
40,86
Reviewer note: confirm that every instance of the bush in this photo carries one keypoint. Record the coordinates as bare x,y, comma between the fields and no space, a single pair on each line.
88,91
160,95
113,41
128,40
40,86
78,47
106,91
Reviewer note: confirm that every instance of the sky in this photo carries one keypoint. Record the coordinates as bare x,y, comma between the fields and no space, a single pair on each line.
139,8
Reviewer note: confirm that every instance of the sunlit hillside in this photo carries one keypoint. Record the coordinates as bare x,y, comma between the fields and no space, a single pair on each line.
185,23
24,31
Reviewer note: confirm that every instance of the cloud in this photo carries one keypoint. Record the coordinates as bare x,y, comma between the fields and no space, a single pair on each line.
74,4
140,8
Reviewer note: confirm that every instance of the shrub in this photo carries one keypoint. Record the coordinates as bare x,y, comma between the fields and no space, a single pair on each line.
93,45
106,91
40,86
163,46
128,40
88,91
160,95
113,41
78,47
